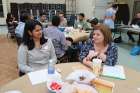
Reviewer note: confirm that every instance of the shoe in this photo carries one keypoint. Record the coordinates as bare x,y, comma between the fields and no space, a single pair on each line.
132,39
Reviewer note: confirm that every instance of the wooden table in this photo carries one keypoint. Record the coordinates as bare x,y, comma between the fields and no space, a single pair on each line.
76,35
128,28
130,85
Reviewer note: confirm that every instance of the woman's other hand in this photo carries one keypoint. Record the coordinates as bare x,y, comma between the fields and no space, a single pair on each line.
92,54
87,62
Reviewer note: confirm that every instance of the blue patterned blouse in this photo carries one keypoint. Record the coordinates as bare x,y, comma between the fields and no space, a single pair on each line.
112,52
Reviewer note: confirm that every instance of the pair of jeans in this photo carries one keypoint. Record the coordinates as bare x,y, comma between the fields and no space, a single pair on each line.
132,38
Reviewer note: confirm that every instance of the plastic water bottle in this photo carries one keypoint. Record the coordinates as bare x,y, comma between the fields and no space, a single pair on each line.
51,67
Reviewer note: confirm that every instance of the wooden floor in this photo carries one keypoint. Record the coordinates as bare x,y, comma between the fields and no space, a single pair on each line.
8,60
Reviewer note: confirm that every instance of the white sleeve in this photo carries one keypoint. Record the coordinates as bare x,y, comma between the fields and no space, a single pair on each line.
22,59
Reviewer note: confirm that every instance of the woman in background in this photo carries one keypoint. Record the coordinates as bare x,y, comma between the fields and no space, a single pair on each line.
110,16
11,24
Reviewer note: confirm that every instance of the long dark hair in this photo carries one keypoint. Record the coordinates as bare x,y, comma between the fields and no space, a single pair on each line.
27,39
9,18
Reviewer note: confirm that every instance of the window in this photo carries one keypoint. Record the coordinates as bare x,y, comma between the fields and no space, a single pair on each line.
1,9
136,7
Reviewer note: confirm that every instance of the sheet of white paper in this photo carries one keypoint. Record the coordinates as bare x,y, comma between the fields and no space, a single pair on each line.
38,76
138,89
13,91
114,71
41,76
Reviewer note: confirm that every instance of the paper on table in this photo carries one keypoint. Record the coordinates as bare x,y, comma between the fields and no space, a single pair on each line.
13,91
38,76
41,76
138,89
114,71
78,73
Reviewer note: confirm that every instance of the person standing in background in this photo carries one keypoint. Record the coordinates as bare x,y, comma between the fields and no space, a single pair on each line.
110,17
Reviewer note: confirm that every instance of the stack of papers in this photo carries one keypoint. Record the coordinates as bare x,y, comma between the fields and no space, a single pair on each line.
114,71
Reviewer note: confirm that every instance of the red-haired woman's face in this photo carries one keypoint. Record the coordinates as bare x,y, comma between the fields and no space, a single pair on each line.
37,32
98,37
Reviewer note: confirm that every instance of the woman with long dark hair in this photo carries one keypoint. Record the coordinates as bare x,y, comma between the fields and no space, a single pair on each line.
11,24
35,51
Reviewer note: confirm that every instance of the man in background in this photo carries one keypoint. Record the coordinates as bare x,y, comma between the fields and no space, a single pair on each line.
110,16
135,21
63,20
81,22
43,20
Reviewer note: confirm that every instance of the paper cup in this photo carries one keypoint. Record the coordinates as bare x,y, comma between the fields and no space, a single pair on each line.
97,66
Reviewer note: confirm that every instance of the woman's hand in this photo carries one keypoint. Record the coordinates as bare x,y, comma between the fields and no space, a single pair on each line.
87,62
102,56
92,54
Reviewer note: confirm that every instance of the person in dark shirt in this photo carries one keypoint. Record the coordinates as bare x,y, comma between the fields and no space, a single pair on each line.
11,24
135,21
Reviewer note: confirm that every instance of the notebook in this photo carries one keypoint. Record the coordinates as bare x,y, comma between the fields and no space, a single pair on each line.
114,71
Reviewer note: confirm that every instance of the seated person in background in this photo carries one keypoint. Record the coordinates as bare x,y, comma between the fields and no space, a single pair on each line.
58,38
43,20
81,22
35,51
93,22
100,47
135,21
21,25
31,17
63,20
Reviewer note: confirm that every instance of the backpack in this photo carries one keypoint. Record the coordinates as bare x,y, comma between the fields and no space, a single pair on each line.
118,39
135,51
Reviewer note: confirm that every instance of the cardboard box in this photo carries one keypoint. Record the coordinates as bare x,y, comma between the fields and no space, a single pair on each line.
103,86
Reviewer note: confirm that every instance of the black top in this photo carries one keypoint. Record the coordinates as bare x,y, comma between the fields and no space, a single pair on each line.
136,21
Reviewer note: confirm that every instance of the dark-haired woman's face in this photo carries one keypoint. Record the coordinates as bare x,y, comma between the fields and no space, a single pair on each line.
37,32
98,37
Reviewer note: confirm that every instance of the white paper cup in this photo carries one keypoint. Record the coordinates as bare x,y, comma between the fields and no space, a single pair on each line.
97,66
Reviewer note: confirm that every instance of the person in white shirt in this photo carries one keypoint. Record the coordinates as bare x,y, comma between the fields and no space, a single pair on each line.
110,16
